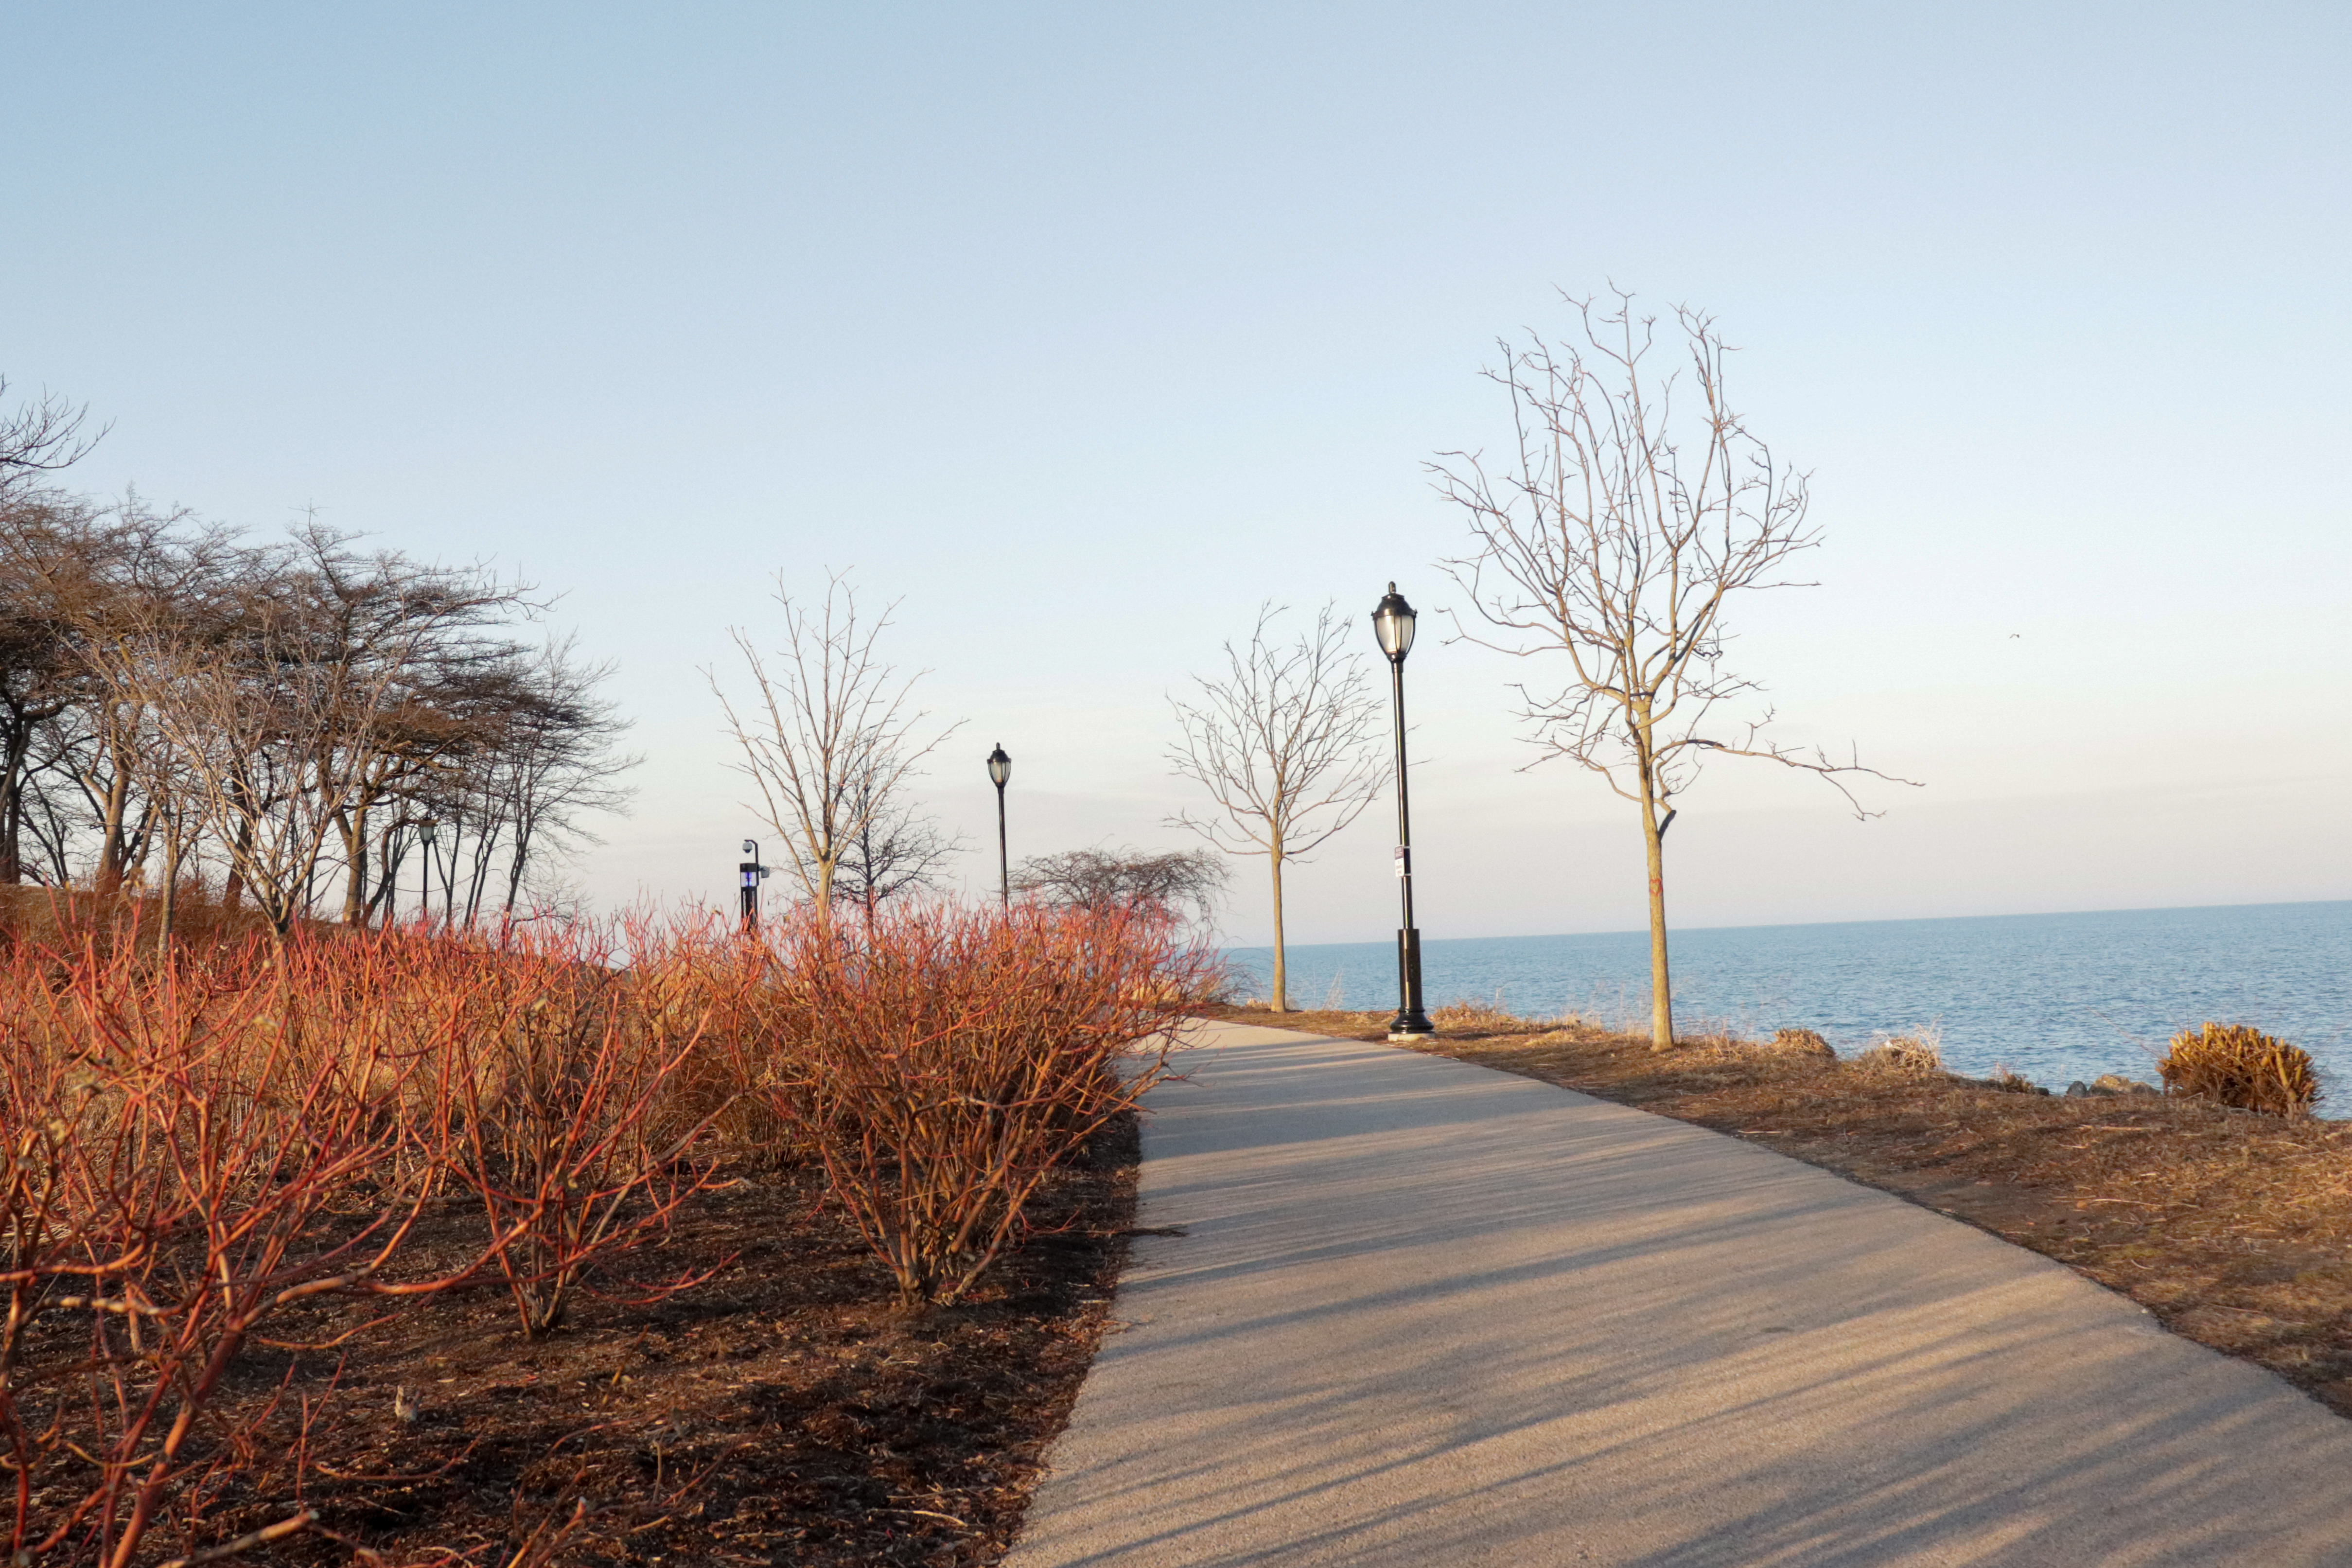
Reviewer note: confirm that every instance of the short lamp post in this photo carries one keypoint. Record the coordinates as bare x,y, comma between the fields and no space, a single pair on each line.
1000,773
427,832
1393,622
751,872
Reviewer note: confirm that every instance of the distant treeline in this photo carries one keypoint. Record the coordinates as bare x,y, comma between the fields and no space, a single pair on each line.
287,721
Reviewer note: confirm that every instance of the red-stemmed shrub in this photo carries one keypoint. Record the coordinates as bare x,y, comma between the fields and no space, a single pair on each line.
554,1109
180,1161
945,1059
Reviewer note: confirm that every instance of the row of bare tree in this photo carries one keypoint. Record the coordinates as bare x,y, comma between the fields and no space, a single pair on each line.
1630,508
293,720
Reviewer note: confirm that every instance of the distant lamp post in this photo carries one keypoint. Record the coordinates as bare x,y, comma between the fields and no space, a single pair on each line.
1000,771
427,832
753,873
1393,622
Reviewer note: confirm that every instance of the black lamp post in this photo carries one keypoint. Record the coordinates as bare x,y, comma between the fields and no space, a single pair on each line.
1392,621
427,832
1000,770
752,871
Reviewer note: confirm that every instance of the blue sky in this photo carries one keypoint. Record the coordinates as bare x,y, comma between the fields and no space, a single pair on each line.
1081,331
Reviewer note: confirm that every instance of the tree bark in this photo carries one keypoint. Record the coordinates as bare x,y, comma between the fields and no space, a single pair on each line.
168,906
22,718
1281,1000
111,855
12,808
1662,998
233,891
352,825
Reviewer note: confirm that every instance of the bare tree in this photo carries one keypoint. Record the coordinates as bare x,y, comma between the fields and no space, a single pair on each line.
1284,743
74,576
1125,878
830,734
1632,507
316,688
897,849
38,668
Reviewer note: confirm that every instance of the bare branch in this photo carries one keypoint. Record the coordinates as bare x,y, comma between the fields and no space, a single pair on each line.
42,436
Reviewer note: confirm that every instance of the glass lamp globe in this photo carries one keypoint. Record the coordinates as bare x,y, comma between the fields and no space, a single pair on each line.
1392,621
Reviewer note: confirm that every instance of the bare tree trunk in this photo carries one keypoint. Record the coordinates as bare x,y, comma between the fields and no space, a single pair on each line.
11,801
173,853
352,825
1280,1001
514,863
831,738
1662,995
233,891
386,871
110,855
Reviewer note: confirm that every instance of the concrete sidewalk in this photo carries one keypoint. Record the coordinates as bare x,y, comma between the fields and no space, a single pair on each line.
1430,1314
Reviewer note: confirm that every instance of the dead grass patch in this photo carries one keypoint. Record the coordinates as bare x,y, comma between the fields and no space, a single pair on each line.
2233,1227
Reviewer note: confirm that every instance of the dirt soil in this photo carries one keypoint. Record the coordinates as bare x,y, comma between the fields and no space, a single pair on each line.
2233,1227
785,1411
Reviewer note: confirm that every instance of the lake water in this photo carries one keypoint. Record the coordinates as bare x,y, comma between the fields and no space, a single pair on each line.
2054,997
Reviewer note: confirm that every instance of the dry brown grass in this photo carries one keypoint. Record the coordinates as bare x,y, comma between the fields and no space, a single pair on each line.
50,916
1463,1013
2234,1227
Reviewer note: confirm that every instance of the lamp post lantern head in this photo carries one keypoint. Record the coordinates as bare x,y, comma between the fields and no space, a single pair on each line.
1392,621
1000,767
428,830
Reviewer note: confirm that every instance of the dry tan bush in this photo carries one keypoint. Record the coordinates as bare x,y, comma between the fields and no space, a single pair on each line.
1919,1053
1801,1043
2238,1065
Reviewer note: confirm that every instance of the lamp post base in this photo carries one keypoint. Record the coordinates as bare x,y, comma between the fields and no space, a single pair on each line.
1410,1022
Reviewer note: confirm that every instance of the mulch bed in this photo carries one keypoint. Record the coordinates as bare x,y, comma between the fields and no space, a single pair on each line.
2233,1227
784,1411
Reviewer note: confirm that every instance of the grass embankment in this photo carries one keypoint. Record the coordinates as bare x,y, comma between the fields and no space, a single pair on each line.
2233,1227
